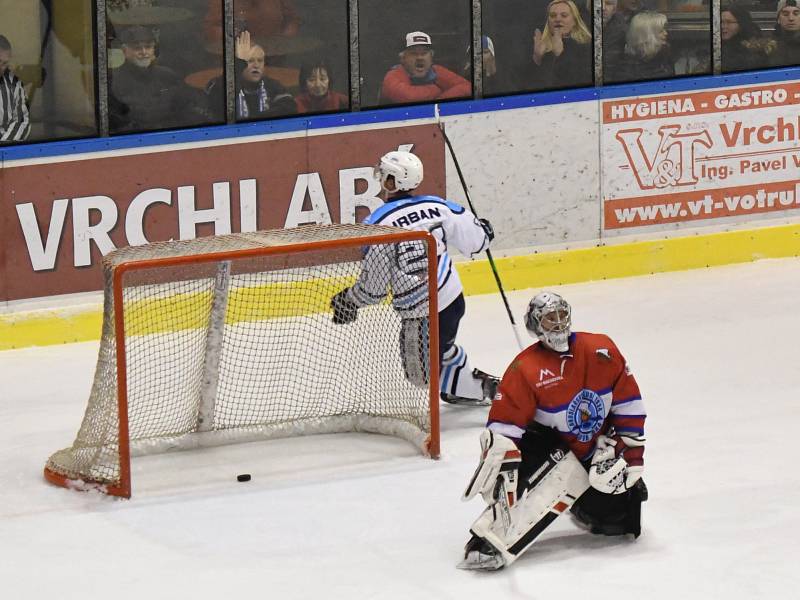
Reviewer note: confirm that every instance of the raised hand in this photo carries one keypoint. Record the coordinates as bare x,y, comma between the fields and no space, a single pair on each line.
557,44
243,46
538,47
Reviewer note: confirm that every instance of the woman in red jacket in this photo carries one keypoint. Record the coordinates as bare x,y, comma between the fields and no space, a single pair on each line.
316,93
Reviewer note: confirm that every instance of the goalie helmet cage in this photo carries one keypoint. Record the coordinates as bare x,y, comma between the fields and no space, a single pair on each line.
229,339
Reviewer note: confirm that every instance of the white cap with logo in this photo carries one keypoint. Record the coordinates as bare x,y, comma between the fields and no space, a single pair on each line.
418,38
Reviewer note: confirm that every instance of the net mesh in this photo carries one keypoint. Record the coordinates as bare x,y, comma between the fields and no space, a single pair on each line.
243,347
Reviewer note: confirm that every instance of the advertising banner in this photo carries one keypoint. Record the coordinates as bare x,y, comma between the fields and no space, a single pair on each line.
60,218
701,156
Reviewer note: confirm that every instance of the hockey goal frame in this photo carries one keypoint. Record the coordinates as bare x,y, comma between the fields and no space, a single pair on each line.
124,489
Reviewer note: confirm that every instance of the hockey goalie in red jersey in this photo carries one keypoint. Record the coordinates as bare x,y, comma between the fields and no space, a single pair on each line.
565,432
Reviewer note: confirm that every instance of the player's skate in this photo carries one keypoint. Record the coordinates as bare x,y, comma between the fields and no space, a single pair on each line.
480,555
488,385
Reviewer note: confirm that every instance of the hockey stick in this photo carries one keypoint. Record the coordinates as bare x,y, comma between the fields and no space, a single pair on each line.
488,252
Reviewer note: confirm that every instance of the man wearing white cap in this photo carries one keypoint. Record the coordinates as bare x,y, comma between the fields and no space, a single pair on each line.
417,79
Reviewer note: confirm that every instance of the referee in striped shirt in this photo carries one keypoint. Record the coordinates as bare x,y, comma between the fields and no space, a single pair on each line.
15,125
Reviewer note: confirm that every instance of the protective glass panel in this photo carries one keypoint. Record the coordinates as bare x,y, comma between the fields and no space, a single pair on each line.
47,85
655,39
760,34
162,55
414,51
536,45
291,57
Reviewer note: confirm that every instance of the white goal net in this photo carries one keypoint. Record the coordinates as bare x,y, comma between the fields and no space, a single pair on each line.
230,339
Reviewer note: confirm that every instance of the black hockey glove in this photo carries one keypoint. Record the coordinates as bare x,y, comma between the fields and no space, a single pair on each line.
487,227
344,310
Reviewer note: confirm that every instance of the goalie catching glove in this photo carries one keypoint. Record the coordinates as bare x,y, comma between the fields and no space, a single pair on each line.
344,310
610,473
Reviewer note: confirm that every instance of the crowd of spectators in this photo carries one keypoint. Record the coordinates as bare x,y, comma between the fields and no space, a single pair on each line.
283,67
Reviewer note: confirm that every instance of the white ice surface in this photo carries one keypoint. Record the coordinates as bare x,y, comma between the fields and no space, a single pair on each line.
355,516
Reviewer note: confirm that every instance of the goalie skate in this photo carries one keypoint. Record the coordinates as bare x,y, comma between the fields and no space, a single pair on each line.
480,555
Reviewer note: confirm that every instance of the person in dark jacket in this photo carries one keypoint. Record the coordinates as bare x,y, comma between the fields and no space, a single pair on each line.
145,96
744,45
615,30
562,53
647,51
257,95
787,34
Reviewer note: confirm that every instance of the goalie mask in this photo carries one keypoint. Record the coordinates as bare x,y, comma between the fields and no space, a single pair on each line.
549,318
405,167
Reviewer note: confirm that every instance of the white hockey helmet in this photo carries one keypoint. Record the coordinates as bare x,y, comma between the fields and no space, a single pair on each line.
405,167
549,318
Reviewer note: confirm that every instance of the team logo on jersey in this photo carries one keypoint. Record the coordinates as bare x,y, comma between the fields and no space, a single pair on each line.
547,377
585,415
545,373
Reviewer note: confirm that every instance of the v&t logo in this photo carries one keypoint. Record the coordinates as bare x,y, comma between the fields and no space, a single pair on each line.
672,163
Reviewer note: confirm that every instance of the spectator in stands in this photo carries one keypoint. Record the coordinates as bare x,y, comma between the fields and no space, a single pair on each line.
615,31
787,34
316,94
417,79
257,95
562,54
15,124
744,45
647,52
494,80
263,18
145,96
510,23
609,8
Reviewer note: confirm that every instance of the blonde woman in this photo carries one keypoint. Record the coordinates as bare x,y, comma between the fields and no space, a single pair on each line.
562,54
647,51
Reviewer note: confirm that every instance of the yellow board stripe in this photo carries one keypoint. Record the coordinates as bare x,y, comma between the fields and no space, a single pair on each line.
629,260
41,328
191,310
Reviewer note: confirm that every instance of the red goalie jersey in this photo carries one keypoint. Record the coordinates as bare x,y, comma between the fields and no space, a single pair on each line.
582,393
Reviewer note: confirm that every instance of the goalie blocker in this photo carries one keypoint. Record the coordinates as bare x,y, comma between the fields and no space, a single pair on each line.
526,488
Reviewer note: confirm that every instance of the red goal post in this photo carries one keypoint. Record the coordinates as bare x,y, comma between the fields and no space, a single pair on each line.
229,339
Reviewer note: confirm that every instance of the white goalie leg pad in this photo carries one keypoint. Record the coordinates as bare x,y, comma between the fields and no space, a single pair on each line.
456,376
512,525
414,350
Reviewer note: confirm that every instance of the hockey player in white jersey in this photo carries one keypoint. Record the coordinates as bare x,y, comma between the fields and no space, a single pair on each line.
451,224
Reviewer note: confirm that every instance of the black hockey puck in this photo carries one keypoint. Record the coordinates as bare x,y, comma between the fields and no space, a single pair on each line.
243,477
